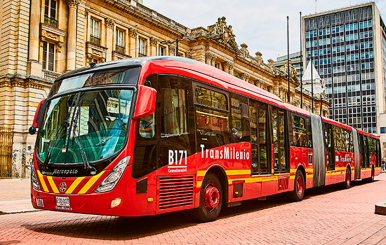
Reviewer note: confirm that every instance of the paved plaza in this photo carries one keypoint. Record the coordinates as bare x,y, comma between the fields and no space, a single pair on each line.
328,215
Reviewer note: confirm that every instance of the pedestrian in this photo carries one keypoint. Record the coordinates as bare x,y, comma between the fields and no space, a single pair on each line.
383,165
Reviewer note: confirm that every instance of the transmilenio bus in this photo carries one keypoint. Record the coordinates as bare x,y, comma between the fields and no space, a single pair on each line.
154,135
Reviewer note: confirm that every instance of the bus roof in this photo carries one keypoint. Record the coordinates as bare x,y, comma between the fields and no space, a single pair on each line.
367,134
336,123
229,81
116,64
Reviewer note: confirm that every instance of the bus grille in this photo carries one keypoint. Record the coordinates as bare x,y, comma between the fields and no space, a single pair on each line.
175,192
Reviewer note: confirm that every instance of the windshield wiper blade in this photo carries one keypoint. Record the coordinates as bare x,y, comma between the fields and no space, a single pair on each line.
76,138
85,161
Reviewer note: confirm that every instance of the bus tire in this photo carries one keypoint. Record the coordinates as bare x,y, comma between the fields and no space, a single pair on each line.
347,182
210,199
371,179
299,187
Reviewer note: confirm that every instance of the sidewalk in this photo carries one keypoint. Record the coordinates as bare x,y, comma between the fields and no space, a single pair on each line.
15,196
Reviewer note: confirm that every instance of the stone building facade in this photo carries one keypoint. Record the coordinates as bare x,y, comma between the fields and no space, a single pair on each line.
43,39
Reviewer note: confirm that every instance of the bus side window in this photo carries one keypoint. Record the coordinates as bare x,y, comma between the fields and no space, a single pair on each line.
299,132
174,118
240,119
212,117
308,142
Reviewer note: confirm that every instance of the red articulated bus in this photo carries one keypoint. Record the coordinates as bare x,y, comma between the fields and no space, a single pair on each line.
154,135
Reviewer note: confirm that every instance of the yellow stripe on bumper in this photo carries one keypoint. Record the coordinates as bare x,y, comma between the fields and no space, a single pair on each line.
74,185
90,183
52,184
41,178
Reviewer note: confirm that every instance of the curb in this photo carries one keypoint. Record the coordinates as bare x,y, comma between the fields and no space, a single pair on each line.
380,208
20,211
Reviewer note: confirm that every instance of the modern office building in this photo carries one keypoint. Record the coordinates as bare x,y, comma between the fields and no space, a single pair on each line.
348,48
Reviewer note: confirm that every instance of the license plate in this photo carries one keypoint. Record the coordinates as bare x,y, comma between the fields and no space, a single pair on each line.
39,202
63,201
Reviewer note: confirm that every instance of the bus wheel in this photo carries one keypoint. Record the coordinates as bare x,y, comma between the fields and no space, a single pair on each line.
299,188
347,183
210,199
371,179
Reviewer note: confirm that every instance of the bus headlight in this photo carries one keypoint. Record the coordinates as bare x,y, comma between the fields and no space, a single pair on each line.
115,175
34,179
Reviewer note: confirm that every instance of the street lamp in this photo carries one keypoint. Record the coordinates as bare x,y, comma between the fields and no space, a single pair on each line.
177,41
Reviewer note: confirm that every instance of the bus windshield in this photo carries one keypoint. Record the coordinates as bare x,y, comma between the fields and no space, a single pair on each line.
84,127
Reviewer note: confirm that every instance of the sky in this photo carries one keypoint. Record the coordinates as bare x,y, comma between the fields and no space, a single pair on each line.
261,24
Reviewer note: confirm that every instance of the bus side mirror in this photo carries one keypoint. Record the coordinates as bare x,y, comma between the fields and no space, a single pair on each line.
145,102
38,117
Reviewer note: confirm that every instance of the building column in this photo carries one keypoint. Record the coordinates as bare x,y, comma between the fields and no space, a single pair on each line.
153,46
71,34
33,67
109,38
208,58
245,77
214,58
133,42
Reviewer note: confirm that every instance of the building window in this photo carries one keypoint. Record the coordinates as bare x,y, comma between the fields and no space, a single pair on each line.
120,42
142,47
383,130
48,56
50,7
95,32
161,51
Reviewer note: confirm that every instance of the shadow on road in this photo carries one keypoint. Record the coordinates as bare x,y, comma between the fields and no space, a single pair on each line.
118,228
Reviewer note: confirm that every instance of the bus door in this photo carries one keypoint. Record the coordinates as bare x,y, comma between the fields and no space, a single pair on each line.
357,154
379,161
361,150
366,154
329,144
176,143
279,141
261,157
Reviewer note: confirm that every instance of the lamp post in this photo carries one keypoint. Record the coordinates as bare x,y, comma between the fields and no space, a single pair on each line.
288,67
301,64
312,79
177,41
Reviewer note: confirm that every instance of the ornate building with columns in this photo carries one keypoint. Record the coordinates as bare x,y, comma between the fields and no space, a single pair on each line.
41,39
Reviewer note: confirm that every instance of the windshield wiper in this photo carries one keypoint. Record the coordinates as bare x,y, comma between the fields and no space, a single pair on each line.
74,123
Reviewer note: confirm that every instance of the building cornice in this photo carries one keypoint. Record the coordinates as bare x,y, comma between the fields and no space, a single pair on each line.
338,10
